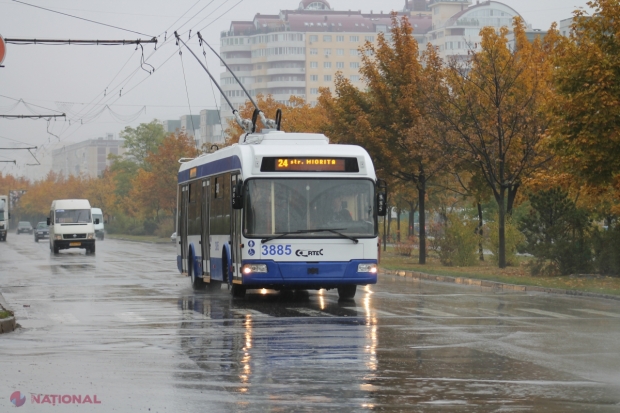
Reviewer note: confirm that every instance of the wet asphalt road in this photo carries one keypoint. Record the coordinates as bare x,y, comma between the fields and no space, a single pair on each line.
125,326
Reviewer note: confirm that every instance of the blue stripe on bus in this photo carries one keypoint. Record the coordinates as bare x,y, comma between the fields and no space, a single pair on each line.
292,273
212,168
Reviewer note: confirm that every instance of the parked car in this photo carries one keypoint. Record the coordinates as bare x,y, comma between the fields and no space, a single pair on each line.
41,231
173,237
24,226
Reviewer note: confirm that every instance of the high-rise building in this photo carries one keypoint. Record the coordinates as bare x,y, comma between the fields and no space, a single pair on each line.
296,52
211,127
88,158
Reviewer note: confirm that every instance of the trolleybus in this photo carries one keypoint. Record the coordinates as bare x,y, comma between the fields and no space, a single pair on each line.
280,211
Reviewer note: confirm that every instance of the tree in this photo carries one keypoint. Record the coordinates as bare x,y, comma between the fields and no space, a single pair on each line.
493,105
297,116
586,128
388,117
556,230
156,188
141,141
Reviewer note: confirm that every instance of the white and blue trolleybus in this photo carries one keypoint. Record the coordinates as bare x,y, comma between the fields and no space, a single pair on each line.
280,211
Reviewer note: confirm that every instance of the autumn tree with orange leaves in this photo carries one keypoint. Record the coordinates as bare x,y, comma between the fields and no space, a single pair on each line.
493,105
297,116
388,118
155,189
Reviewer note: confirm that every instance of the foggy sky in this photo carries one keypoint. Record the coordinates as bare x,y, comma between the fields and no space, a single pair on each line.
74,78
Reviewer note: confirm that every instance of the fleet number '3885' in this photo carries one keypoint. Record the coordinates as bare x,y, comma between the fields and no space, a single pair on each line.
277,249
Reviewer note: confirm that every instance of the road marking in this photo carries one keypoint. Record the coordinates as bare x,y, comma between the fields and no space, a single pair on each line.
64,318
605,313
547,313
130,317
436,313
247,311
311,312
372,310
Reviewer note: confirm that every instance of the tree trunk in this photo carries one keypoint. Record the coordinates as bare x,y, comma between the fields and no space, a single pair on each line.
500,198
389,220
384,233
512,194
480,232
422,218
411,231
398,210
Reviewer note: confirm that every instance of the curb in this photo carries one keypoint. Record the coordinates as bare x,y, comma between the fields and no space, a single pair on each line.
144,242
6,324
496,285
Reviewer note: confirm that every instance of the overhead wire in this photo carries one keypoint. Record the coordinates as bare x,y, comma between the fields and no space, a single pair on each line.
128,79
82,18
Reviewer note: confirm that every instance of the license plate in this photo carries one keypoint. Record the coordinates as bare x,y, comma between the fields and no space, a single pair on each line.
75,244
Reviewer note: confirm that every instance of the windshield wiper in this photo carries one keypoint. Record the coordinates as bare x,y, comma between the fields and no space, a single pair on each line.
280,235
332,230
306,231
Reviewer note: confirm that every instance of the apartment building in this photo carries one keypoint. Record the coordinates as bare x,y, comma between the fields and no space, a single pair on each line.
296,52
88,158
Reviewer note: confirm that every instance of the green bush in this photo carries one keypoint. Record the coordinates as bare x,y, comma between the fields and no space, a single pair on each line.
457,245
405,248
606,245
513,239
557,234
165,228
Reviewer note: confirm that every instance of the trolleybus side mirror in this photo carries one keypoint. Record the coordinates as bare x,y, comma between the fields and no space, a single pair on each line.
237,195
381,198
48,222
96,221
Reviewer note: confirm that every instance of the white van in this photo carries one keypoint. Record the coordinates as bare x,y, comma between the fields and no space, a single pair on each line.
98,215
71,225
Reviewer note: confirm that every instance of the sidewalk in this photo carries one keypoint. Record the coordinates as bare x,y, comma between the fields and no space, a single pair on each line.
6,324
496,285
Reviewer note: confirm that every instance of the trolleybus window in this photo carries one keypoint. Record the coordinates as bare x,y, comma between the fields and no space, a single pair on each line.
275,206
72,216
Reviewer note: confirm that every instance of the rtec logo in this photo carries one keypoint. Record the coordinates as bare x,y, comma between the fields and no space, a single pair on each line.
305,253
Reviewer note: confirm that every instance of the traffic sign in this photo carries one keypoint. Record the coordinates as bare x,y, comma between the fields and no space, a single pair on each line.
2,49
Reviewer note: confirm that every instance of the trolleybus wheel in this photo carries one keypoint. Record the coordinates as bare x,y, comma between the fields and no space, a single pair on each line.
197,283
347,292
237,291
214,285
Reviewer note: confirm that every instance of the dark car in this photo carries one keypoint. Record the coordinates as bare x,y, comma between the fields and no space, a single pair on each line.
41,231
24,226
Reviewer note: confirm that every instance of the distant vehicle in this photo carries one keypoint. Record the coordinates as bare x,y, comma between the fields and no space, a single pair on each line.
41,231
24,226
4,216
173,237
98,214
71,225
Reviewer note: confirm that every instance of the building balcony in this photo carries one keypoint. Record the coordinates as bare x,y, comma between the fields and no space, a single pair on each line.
286,71
237,60
235,48
289,83
287,58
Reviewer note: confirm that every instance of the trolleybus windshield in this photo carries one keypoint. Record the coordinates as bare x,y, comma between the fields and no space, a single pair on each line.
288,205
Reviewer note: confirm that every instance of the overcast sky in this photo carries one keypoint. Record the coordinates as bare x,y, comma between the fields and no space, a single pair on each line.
81,80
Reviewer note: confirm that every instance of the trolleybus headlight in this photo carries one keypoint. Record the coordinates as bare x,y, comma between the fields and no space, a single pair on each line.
57,236
250,268
90,236
372,268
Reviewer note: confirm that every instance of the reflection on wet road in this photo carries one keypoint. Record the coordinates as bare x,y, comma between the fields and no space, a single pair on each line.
125,326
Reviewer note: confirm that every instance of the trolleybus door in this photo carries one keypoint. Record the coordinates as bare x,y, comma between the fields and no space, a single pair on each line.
183,226
206,241
236,236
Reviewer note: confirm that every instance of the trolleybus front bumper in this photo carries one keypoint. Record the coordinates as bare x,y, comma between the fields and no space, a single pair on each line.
309,274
